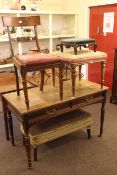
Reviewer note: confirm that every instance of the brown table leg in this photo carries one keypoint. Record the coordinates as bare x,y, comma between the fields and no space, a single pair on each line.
5,117
10,123
102,114
28,150
27,142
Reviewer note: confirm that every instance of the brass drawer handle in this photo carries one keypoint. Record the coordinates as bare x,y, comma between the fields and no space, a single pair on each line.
52,111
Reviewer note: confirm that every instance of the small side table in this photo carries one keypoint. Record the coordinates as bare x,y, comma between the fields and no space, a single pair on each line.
78,42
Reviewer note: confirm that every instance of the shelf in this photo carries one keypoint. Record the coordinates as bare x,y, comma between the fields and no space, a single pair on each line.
54,25
7,11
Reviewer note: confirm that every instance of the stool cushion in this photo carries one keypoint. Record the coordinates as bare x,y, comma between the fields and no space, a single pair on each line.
59,126
76,41
37,59
83,56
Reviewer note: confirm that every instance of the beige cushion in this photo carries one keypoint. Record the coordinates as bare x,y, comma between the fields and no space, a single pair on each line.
59,126
83,56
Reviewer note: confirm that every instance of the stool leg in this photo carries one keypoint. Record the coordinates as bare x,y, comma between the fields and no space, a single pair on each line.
17,81
28,150
61,47
75,50
89,132
42,80
73,78
95,46
102,73
10,123
53,76
35,153
25,89
61,83
80,68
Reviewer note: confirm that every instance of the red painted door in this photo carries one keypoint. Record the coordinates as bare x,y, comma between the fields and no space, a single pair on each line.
104,43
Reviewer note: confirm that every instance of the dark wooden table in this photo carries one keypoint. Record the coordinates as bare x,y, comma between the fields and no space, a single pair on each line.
78,42
46,105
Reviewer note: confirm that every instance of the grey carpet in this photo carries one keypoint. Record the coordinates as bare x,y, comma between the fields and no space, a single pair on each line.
73,154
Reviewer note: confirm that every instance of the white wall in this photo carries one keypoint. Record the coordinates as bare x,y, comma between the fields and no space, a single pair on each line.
81,7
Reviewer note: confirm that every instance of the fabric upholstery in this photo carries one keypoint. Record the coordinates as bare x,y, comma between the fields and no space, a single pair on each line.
38,58
83,56
76,41
59,126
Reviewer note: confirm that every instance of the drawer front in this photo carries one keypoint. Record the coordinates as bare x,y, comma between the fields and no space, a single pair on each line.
49,113
60,109
78,103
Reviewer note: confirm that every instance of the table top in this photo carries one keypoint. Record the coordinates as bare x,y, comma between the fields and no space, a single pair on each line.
50,96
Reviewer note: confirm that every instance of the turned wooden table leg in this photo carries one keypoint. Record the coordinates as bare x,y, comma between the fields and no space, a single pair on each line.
61,82
10,123
25,89
102,73
73,78
28,149
102,114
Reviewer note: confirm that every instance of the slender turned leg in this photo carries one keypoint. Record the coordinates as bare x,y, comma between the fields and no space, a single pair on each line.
5,117
102,114
95,46
10,123
102,73
35,153
28,150
89,132
42,80
61,83
73,78
61,47
25,89
53,76
75,50
17,81
80,68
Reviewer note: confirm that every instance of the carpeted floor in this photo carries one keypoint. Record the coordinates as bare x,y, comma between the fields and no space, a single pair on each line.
73,154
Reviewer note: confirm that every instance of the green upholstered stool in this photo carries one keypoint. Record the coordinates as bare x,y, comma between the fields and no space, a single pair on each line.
58,127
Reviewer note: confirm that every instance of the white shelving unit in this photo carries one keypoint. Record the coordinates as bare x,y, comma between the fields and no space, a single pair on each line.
54,25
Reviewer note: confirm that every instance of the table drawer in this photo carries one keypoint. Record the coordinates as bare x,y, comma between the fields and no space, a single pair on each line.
87,100
50,112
